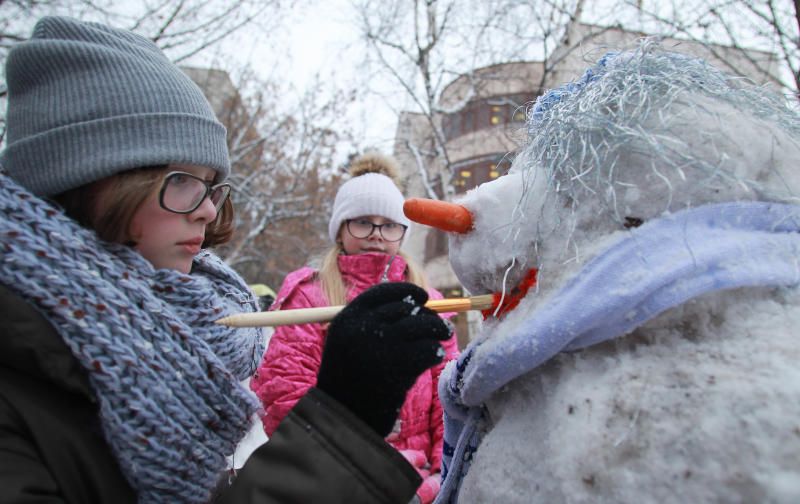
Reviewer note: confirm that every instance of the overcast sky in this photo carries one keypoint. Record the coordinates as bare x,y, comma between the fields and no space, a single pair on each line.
323,42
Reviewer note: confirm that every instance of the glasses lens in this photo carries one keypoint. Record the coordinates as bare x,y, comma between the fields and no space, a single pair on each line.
359,228
392,231
219,194
182,192
389,231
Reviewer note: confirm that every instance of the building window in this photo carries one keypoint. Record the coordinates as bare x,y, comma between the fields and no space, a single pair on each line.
485,113
497,115
475,171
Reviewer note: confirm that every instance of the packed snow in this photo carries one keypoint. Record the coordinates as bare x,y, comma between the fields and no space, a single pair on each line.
697,398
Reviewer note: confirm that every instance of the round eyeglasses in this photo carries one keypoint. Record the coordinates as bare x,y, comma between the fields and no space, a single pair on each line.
183,193
389,231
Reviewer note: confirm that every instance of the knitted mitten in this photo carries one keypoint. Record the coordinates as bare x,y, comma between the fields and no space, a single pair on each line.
376,348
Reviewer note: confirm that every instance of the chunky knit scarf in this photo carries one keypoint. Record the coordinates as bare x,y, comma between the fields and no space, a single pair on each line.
165,377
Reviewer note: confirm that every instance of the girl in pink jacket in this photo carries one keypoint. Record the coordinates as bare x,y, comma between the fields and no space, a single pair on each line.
367,227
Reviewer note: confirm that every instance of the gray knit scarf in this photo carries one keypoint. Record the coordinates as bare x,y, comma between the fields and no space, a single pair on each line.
165,377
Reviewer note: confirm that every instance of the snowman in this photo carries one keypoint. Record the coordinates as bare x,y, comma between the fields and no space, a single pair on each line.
648,239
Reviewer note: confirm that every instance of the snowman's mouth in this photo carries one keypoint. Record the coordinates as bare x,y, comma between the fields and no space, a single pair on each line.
507,301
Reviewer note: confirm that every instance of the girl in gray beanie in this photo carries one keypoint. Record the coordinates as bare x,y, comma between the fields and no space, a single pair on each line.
116,385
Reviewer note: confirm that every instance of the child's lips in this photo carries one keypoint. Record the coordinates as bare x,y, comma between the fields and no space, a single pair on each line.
192,246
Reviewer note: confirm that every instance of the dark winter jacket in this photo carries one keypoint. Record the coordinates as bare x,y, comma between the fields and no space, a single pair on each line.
52,448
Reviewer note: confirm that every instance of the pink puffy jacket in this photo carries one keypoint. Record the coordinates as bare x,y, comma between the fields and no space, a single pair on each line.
289,367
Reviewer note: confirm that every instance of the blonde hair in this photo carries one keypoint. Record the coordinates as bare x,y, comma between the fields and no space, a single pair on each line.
333,285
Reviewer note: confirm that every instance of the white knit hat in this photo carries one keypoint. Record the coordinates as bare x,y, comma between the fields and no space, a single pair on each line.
367,194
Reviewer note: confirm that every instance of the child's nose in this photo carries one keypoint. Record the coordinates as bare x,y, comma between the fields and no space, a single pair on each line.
206,211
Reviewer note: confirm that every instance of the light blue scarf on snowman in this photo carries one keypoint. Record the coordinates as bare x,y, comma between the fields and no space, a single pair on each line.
660,265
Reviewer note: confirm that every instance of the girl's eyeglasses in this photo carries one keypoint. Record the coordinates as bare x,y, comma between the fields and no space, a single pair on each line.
389,231
183,193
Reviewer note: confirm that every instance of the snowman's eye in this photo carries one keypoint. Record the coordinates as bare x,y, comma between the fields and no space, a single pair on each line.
632,222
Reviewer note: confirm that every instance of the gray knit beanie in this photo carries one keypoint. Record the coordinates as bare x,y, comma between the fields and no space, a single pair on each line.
86,101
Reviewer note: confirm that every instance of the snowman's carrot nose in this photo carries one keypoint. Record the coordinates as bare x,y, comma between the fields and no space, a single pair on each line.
439,214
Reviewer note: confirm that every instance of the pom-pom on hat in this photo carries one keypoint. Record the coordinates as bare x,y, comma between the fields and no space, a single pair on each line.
86,101
371,191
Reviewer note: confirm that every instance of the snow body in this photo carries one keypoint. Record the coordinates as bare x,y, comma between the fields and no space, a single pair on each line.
697,404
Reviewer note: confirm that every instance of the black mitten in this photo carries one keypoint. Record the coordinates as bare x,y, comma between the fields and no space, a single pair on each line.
376,348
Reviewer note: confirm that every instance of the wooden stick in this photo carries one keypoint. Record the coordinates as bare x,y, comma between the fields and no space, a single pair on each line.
326,314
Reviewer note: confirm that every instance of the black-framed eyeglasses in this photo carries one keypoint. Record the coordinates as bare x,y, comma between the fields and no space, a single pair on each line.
183,193
363,228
